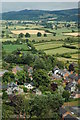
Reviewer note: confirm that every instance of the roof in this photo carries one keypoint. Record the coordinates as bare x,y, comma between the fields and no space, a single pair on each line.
69,117
77,77
29,83
2,72
56,76
69,85
62,111
17,68
74,76
12,85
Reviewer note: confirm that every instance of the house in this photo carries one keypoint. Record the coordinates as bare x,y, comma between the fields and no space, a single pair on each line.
71,87
12,88
16,69
65,115
2,72
29,86
37,92
77,94
56,77
69,117
62,111
63,73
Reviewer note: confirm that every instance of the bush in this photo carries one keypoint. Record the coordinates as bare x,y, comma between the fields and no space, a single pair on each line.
27,35
25,89
68,46
45,35
39,34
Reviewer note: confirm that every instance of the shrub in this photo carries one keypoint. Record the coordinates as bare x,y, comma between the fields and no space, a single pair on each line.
25,89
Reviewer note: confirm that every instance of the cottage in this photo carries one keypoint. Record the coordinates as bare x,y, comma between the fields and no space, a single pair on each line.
16,69
37,92
12,88
65,115
63,73
2,72
29,86
69,117
56,77
71,87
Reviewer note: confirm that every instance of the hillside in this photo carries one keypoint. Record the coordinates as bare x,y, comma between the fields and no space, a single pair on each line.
61,15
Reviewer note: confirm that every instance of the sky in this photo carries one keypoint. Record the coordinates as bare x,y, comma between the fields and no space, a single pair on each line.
16,6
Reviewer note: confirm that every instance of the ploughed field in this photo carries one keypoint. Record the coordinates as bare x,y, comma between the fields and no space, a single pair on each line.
28,31
72,34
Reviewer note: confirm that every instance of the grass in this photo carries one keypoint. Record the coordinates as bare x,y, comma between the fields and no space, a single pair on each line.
60,51
75,56
73,103
10,48
47,46
67,59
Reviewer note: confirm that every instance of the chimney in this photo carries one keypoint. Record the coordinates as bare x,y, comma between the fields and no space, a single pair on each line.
76,74
71,72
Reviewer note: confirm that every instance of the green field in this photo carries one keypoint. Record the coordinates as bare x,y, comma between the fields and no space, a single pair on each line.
60,51
10,48
49,45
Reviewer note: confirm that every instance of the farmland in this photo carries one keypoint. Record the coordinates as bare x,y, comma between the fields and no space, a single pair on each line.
51,44
72,34
28,31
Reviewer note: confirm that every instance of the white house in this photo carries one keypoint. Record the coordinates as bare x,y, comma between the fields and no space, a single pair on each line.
29,86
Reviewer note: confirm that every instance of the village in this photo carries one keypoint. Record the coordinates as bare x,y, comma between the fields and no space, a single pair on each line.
60,80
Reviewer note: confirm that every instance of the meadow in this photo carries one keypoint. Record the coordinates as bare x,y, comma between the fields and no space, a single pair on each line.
51,44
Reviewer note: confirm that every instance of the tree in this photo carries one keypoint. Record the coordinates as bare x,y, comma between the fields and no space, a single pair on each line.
71,67
45,35
46,106
27,35
66,95
60,64
5,95
21,76
8,77
40,77
25,89
54,34
21,35
39,64
39,34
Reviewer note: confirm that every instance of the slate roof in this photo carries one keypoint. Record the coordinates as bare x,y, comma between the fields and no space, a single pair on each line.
74,76
29,83
56,76
69,117
12,85
17,68
2,72
62,111
69,85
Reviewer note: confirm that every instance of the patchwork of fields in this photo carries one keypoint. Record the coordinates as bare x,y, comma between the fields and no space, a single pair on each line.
51,44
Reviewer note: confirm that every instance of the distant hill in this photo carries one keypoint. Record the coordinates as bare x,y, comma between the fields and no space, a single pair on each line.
61,15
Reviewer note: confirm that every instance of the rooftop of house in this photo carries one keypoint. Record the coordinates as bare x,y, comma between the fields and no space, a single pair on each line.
2,72
74,76
69,117
69,85
17,68
12,84
62,110
60,71
31,83
56,76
